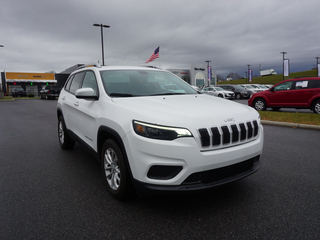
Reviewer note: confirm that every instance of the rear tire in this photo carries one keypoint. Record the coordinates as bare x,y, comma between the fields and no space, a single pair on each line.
316,107
65,141
115,170
260,104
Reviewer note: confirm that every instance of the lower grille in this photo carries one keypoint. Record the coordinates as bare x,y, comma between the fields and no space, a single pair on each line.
224,174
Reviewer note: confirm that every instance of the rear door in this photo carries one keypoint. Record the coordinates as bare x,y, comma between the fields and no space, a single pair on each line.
301,93
69,102
87,111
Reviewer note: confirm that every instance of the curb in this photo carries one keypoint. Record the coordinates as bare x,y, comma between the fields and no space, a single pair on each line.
6,100
292,125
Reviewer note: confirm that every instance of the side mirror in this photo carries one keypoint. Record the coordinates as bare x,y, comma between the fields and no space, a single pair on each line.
271,89
86,93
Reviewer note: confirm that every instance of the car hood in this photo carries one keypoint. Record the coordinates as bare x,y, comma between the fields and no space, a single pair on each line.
225,91
185,110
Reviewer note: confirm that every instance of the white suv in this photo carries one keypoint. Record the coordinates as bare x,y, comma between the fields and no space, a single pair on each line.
153,132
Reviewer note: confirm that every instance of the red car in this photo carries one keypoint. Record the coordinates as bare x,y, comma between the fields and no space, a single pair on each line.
292,93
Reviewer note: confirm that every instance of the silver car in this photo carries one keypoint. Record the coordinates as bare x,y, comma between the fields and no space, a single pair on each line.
218,92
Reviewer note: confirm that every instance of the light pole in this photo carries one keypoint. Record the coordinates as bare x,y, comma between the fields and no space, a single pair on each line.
248,72
209,77
101,26
317,66
283,53
1,80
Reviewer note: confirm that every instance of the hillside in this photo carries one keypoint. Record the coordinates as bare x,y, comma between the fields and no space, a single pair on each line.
272,79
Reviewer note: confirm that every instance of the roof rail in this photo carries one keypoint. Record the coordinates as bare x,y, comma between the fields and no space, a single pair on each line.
306,77
90,65
153,67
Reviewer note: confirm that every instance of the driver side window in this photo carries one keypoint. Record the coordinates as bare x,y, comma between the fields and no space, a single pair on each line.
283,86
89,81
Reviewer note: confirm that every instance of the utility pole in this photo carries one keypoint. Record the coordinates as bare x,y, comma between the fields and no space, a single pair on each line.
101,26
1,96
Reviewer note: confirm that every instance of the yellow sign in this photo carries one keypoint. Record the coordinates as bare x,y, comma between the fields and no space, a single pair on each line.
31,76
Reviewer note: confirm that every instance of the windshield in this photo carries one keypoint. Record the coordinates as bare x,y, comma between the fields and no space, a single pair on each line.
219,89
249,87
239,87
131,83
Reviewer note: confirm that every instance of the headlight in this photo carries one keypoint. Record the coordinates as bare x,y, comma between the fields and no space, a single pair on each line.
159,132
259,120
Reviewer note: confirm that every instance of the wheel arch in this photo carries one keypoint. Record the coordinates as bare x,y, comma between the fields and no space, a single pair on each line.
313,101
262,97
105,133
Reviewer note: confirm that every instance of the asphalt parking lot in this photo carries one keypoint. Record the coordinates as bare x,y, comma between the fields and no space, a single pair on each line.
49,193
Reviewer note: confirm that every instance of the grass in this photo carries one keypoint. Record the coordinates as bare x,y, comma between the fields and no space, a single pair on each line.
273,79
301,118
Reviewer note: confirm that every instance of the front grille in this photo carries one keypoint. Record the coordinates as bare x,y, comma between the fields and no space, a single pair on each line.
221,136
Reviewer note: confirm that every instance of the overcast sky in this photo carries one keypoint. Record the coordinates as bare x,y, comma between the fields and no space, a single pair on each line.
42,36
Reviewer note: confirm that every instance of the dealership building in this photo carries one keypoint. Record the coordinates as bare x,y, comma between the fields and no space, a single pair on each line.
32,83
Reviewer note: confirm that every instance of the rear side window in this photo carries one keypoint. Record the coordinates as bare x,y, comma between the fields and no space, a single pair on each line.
314,84
305,84
302,84
69,81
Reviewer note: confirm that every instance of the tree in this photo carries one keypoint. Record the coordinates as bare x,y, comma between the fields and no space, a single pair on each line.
219,77
233,76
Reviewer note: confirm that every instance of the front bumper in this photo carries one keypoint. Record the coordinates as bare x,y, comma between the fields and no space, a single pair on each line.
206,179
191,169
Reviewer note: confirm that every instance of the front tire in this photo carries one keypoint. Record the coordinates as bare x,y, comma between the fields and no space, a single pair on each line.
260,104
238,96
316,107
65,141
115,170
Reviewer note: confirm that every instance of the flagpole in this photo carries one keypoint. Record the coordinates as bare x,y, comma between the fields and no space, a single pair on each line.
159,56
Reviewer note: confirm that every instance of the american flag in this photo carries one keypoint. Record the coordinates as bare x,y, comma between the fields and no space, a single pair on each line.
154,55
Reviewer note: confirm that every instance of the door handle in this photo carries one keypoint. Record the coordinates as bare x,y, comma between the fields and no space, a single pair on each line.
76,104
63,98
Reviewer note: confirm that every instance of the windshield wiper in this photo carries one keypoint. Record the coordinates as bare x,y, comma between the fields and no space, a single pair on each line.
159,94
121,95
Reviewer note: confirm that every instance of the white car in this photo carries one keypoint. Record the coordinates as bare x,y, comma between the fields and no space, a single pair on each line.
251,88
153,132
219,92
260,87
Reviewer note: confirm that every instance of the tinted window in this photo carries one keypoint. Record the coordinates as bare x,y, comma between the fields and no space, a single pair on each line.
314,84
75,84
